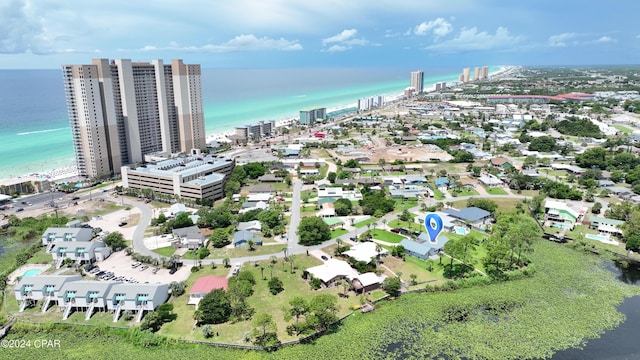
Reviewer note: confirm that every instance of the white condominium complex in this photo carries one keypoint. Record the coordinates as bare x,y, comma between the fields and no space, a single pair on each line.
465,74
417,81
476,73
485,72
121,110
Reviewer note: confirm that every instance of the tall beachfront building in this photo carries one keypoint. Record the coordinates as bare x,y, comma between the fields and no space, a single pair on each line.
417,81
476,73
120,110
465,74
310,116
485,72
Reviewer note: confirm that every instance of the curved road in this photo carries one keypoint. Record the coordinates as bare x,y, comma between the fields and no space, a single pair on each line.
292,244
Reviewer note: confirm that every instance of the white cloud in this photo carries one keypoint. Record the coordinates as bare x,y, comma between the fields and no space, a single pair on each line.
560,40
343,36
471,39
248,42
439,27
605,39
344,41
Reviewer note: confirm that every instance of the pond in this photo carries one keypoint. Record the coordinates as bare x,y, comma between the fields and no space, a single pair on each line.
621,342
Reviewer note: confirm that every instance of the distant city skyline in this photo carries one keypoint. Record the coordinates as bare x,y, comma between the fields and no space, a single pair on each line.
288,33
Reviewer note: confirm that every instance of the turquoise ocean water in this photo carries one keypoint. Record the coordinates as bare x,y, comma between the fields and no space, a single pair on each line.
35,134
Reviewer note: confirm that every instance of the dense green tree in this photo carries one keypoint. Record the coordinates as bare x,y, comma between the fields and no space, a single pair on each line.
115,240
218,217
270,218
250,215
219,238
575,126
631,231
351,163
313,230
154,319
343,207
265,332
595,157
214,308
597,208
254,170
231,187
298,307
177,288
392,285
324,309
485,204
331,176
543,144
275,285
181,221
620,211
376,203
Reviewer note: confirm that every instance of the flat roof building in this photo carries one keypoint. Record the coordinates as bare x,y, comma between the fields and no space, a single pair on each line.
191,177
417,81
310,116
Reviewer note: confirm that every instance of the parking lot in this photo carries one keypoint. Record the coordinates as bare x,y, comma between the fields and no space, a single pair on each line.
120,264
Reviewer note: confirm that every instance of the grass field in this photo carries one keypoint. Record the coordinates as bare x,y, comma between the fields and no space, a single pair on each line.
364,223
165,251
338,232
438,194
496,191
404,225
504,204
402,205
624,129
465,192
244,251
386,236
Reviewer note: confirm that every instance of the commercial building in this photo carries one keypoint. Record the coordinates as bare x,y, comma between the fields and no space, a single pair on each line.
256,131
120,110
465,74
476,73
311,116
417,81
193,177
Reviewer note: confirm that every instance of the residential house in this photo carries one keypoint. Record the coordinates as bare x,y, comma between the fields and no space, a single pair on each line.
333,222
270,178
502,163
606,226
189,237
205,285
533,173
254,226
327,209
365,251
79,252
570,168
423,249
473,216
262,189
411,193
559,214
30,289
605,183
331,271
329,194
442,182
367,282
248,206
66,234
136,297
253,198
84,295
241,238
468,183
177,209
490,181
414,179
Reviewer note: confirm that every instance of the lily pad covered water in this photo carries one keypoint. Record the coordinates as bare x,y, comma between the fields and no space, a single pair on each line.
570,299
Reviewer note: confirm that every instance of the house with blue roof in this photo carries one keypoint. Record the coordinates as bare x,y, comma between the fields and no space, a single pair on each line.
473,216
442,182
423,249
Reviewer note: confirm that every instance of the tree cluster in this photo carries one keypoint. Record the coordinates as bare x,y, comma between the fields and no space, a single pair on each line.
316,314
575,126
313,230
376,203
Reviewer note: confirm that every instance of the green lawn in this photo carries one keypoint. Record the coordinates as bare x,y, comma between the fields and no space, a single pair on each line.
504,204
241,252
386,236
404,225
364,223
464,192
402,205
338,232
496,191
41,257
438,194
624,129
165,251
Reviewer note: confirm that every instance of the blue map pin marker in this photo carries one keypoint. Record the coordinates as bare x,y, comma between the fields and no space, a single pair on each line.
433,224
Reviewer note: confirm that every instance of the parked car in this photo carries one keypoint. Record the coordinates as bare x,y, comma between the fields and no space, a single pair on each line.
135,264
19,209
173,270
395,230
324,257
155,270
236,269
143,267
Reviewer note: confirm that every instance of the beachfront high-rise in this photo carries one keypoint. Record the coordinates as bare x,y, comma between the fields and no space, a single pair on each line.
310,116
120,110
465,74
485,72
476,73
417,81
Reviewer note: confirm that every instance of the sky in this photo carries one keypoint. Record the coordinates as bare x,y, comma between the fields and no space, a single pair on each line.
320,33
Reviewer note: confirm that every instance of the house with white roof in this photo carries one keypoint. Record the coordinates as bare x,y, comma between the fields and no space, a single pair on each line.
365,251
254,225
490,181
331,271
561,215
367,282
606,226
30,289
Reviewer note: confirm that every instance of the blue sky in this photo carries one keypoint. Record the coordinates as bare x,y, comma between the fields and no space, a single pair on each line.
317,33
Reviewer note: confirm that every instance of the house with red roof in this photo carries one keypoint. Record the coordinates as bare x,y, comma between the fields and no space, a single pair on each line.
205,285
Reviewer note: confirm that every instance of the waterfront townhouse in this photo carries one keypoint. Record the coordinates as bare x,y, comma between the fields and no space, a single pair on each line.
137,298
31,289
65,234
561,215
85,295
79,252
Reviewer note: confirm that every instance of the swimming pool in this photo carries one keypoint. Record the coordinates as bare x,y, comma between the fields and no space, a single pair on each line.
561,226
32,272
461,231
596,237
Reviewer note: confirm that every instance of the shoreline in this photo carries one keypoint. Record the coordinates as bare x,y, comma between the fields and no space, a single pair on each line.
70,171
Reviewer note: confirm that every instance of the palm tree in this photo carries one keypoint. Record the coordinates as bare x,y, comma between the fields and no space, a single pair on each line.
271,270
251,245
384,222
291,259
378,251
